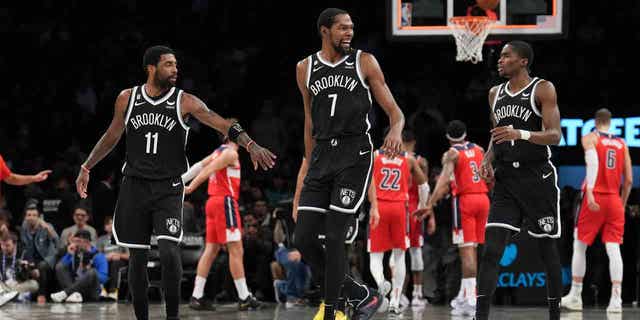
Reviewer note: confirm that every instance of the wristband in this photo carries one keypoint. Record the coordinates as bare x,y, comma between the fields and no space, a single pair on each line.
234,131
249,144
525,135
84,168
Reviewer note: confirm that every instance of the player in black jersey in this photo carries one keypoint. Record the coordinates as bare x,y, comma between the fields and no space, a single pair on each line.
526,120
152,191
336,85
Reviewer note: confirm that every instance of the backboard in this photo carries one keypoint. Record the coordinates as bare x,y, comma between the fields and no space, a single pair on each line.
516,19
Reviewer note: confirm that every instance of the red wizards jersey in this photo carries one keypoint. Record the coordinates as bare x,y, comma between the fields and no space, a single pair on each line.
4,170
467,171
413,188
391,177
226,181
611,156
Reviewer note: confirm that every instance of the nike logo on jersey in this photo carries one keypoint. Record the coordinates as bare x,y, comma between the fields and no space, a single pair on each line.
317,68
138,103
171,103
175,184
364,152
500,97
544,176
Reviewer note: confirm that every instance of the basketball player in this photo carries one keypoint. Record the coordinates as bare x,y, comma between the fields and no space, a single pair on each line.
607,158
526,121
151,194
470,206
15,179
223,222
416,239
335,83
390,195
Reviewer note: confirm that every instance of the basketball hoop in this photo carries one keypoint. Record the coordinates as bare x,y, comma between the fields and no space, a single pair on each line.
470,33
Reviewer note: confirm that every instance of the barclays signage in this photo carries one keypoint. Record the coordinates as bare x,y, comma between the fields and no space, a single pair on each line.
627,128
514,275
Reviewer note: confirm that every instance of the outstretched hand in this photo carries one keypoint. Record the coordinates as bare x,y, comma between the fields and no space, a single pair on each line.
261,157
41,176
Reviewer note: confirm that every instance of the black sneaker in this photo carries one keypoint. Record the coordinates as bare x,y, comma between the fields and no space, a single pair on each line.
368,307
201,304
249,303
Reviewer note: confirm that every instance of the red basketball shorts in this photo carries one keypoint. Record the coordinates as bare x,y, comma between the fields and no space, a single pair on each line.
392,231
470,213
609,219
223,220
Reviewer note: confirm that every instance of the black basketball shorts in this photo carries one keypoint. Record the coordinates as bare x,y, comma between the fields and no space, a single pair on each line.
339,175
147,207
526,193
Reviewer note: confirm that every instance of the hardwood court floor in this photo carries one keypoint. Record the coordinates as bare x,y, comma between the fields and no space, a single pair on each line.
106,311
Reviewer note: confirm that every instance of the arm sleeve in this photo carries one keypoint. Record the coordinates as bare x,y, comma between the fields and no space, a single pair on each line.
192,172
423,194
591,159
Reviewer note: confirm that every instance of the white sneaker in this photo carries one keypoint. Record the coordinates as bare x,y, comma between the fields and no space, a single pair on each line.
464,309
615,305
457,301
7,296
75,297
384,306
404,301
572,302
58,296
418,302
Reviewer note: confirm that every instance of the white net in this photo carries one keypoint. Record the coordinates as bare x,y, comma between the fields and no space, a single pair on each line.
470,33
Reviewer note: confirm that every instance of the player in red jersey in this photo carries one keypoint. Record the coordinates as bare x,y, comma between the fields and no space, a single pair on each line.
223,222
389,195
416,225
608,160
470,207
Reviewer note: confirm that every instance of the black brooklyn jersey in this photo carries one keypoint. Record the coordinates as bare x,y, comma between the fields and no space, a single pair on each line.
156,136
519,110
340,99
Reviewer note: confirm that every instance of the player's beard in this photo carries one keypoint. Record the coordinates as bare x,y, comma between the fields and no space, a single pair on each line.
342,50
163,83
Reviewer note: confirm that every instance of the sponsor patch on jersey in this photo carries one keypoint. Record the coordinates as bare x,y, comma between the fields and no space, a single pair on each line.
173,225
347,196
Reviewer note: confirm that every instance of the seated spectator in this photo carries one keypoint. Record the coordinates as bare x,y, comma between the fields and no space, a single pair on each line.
81,272
292,286
117,257
80,219
16,275
258,253
39,241
4,222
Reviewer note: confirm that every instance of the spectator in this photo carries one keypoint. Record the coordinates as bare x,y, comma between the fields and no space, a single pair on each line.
39,241
80,218
297,274
277,191
117,257
4,222
257,257
16,276
82,271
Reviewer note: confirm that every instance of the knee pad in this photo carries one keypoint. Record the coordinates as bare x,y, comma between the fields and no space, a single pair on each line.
417,264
